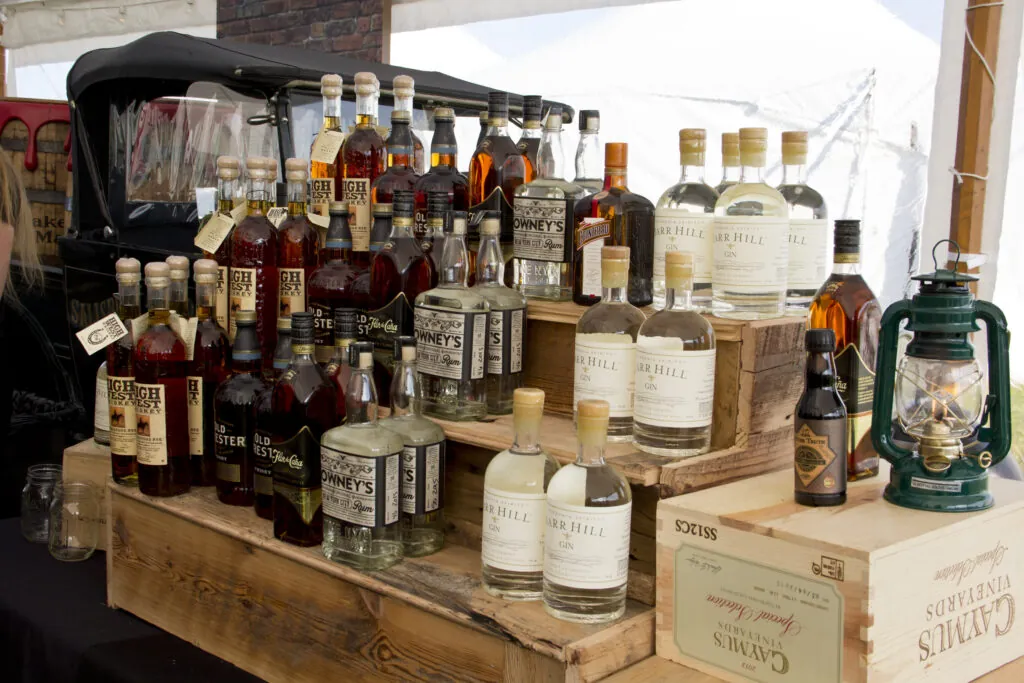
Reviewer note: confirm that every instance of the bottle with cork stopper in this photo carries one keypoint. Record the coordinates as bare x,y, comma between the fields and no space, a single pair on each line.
364,156
404,88
121,375
210,365
326,174
179,266
400,174
230,202
298,243
730,162
809,264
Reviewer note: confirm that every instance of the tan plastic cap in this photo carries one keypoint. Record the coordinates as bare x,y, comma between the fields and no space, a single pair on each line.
679,270
553,123
272,166
158,270
246,316
753,146
330,85
228,168
178,266
528,404
284,323
614,266
490,226
592,422
400,115
691,146
616,155
594,408
614,253
205,270
730,149
794,147
128,266
366,83
296,169
404,86
444,114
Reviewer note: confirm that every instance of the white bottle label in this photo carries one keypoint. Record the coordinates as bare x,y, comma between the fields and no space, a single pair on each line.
221,302
587,547
243,295
151,414
751,253
679,230
505,342
423,478
291,291
592,268
539,229
101,414
605,369
356,193
358,489
674,388
513,530
451,345
321,194
194,398
809,261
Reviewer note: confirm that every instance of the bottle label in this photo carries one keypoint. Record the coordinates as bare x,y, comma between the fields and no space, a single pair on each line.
321,194
213,234
361,490
297,472
243,294
587,547
679,230
855,381
326,147
495,201
356,193
123,422
292,291
820,455
513,530
220,310
451,345
384,324
264,455
605,370
101,413
230,443
505,342
323,330
674,388
751,253
591,234
423,478
539,229
101,333
808,253
276,215
151,414
194,396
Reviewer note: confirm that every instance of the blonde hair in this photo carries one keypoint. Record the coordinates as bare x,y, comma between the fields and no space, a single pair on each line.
17,212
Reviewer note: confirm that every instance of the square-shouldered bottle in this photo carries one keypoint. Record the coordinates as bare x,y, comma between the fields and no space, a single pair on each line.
121,376
809,263
298,244
326,163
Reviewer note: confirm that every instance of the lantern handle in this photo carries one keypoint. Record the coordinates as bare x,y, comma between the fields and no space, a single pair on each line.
885,371
996,423
935,259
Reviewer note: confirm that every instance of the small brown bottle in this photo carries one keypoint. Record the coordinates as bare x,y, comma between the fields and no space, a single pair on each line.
820,427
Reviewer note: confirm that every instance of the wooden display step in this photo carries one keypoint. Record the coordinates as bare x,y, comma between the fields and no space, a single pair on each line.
214,575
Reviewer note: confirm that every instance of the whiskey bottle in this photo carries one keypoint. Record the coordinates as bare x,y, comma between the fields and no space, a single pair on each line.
485,123
265,454
751,240
230,203
364,155
160,395
283,350
327,173
298,243
339,368
121,376
515,503
404,88
444,171
675,370
254,278
400,174
808,225
614,216
605,356
235,416
684,220
381,230
586,544
101,408
179,284
507,320
819,427
543,237
846,305
730,162
361,464
210,365
303,406
271,196
437,216
422,489
451,336
588,152
529,139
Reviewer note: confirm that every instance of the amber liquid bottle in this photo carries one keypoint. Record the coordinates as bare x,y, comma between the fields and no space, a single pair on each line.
304,406
254,278
529,140
160,395
228,191
121,376
339,369
364,157
400,174
381,230
326,177
819,428
404,88
179,284
443,175
438,215
297,244
210,365
265,454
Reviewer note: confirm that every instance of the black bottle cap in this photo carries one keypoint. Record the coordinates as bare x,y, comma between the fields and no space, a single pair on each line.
302,328
403,342
437,202
497,104
847,236
554,110
245,317
820,341
588,114
403,203
345,323
532,107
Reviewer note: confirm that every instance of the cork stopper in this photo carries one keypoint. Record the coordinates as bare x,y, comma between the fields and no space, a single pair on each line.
330,85
616,154
753,146
527,409
128,270
794,147
590,120
679,270
405,349
258,167
204,269
444,114
366,83
296,170
272,167
178,266
284,324
459,220
691,146
400,116
553,124
158,273
228,168
592,422
490,226
363,352
246,316
614,266
730,149
404,86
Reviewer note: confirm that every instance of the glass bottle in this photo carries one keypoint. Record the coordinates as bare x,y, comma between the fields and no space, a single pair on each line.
265,454
404,88
271,195
283,350
179,284
339,368
361,463
515,502
41,484
588,526
101,408
254,279
614,216
451,335
437,216
675,370
381,230
605,356
819,427
235,416
684,220
121,376
326,185
400,174
298,243
160,395
210,365
365,157
230,202
808,225
751,240
730,162
543,239
422,518
485,123
589,163
529,139
847,306
444,172
303,407
507,323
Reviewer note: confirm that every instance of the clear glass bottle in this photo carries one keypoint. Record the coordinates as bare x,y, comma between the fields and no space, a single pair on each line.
808,226
361,466
101,408
529,139
515,502
179,266
121,376
684,220
751,240
422,505
507,324
605,357
675,370
404,88
730,162
451,334
339,368
543,222
326,177
589,161
586,544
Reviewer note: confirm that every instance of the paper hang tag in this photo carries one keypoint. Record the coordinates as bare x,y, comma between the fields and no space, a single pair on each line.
277,215
139,326
186,329
318,220
326,146
102,333
239,212
213,233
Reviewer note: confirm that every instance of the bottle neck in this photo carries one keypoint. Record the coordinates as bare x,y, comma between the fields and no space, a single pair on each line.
532,130
820,371
158,300
616,295
679,298
403,103
444,149
179,292
588,156
360,398
498,127
206,300
751,174
129,297
551,156
332,112
691,173
846,264
400,145
226,191
614,177
435,227
454,260
490,263
794,174
246,363
366,110
405,390
296,198
590,452
258,196
401,226
525,439
730,175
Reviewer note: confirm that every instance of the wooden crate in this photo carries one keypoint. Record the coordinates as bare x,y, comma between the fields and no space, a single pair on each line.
214,575
753,586
90,462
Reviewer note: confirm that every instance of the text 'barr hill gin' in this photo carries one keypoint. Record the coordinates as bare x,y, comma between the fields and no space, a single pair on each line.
809,263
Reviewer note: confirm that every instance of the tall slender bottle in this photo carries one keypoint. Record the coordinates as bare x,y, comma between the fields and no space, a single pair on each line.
751,258
684,220
339,368
730,162
589,162
121,376
422,518
230,202
361,464
400,174
819,427
160,394
297,243
383,215
485,123
515,505
404,88
808,225
364,155
101,408
179,266
444,170
588,523
265,453
438,212
507,323
529,139
327,174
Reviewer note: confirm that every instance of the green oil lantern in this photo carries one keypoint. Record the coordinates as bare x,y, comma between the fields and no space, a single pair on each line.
959,429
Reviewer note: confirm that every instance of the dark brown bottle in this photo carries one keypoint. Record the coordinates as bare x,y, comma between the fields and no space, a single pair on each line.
228,189
265,453
179,284
121,376
339,369
820,427
443,175
381,230
529,140
404,89
438,216
297,243
400,174
364,156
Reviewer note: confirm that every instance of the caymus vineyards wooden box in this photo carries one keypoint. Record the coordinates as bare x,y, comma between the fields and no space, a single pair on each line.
753,586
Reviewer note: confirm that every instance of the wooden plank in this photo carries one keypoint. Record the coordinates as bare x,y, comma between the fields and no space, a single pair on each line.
89,462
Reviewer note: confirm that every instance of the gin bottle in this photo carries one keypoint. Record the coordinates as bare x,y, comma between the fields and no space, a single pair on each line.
515,502
588,152
730,162
360,463
339,368
808,225
586,544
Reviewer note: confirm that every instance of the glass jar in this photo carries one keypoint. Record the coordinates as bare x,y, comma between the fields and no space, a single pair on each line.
74,521
35,501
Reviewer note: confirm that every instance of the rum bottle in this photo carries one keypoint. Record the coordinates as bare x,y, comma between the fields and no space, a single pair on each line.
265,454
327,173
400,174
230,203
179,284
121,376
339,368
730,162
364,155
297,243
444,171
819,427
588,152
404,88
438,211
808,225
529,139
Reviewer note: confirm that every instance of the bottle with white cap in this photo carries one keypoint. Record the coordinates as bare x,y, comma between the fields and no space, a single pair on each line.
121,375
404,88
326,175
298,243
589,158
179,266
365,157
809,262
209,367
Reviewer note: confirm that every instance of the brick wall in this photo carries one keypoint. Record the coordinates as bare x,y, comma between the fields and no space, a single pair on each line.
353,28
